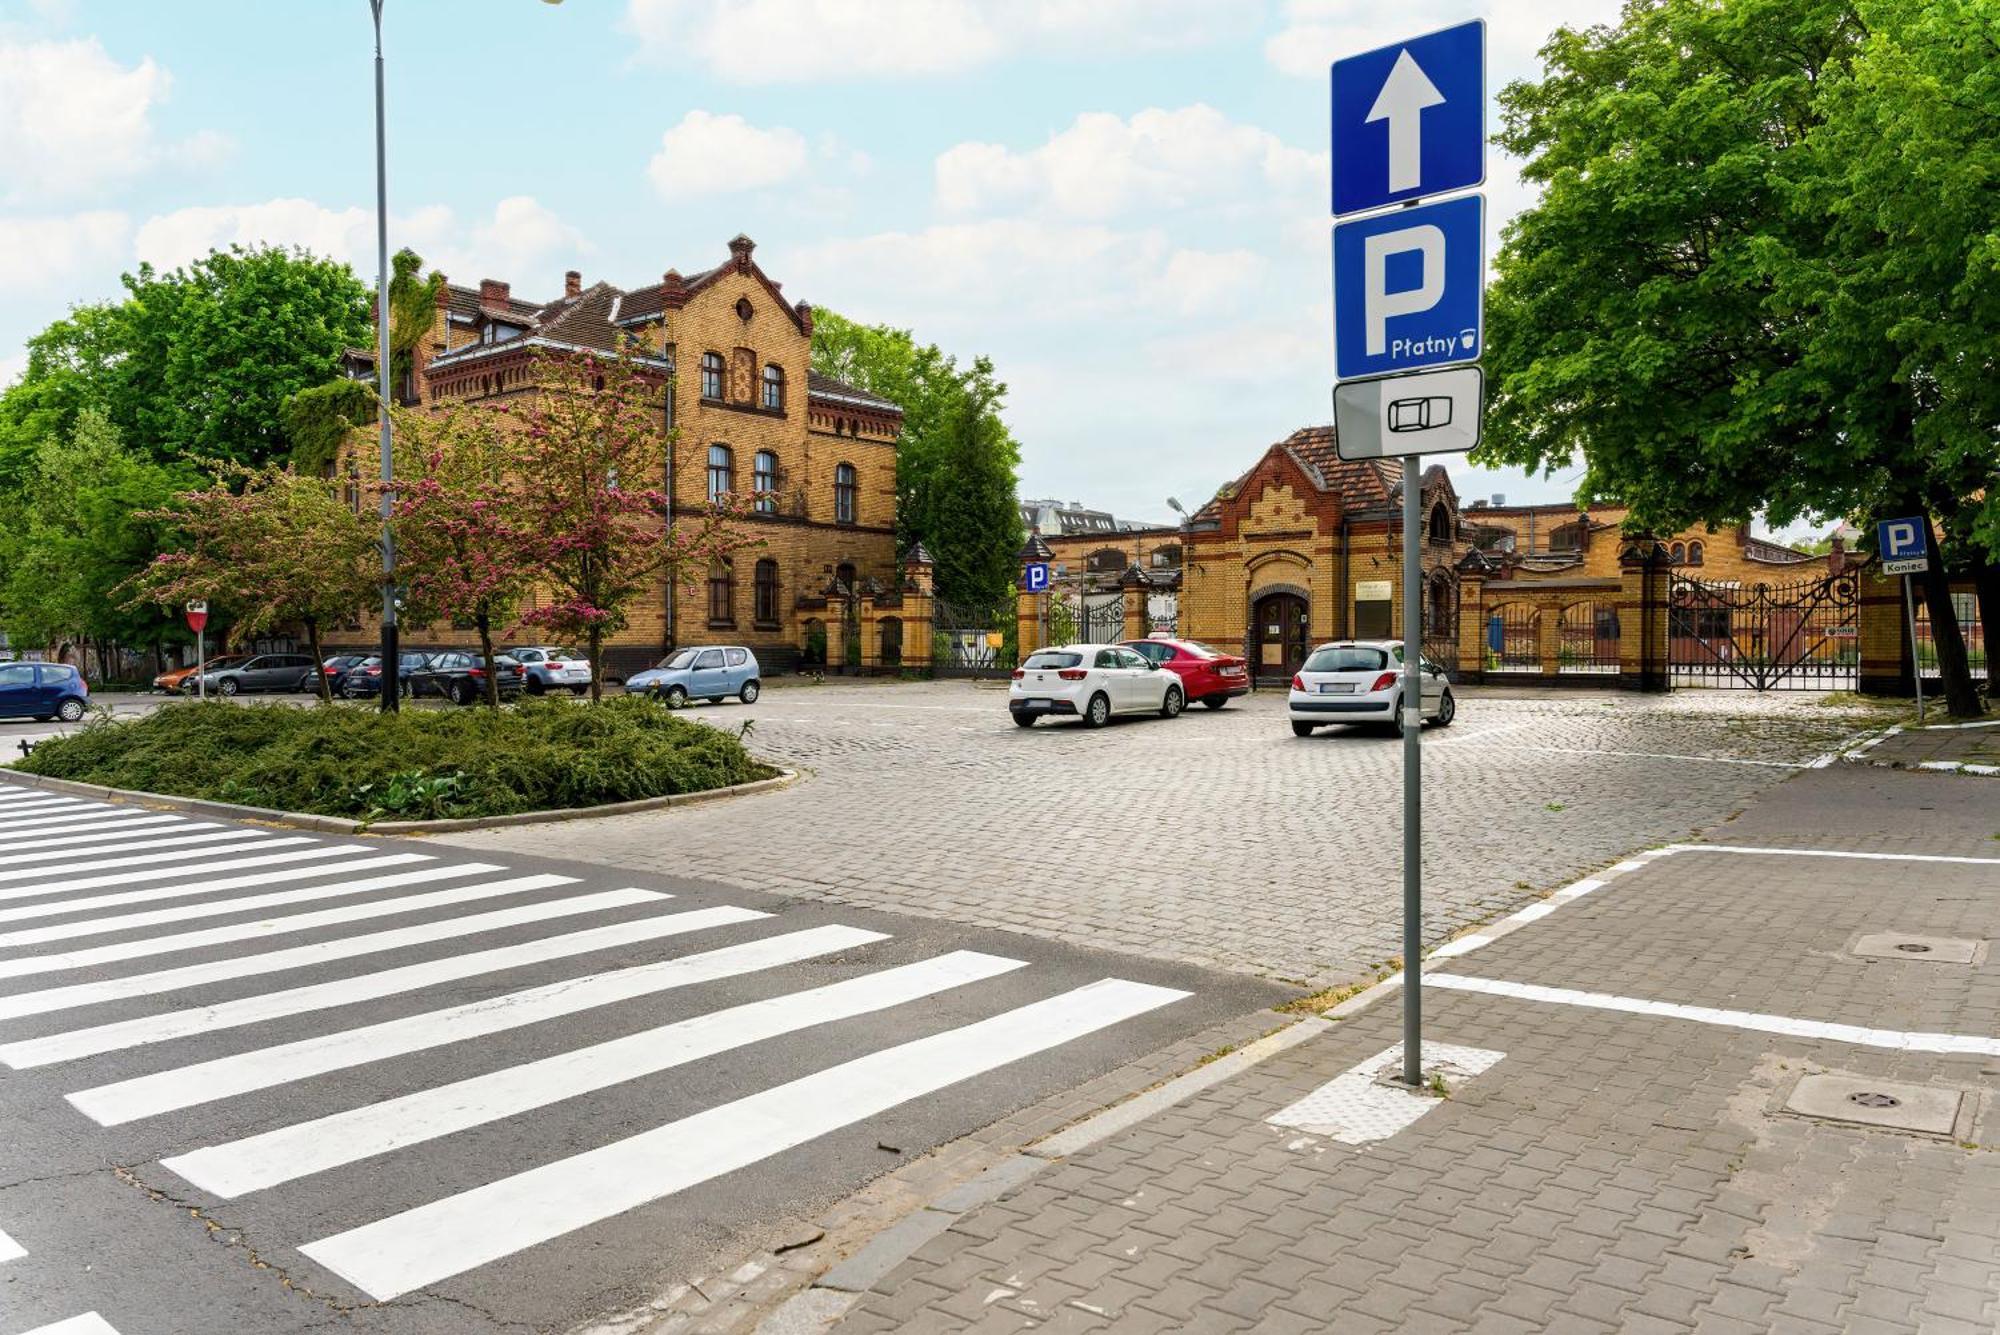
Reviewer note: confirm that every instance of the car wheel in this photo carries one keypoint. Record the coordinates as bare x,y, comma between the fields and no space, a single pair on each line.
1447,710
1302,729
227,686
1216,701
676,697
748,695
1098,712
578,690
1026,720
535,686
69,711
1175,702
463,694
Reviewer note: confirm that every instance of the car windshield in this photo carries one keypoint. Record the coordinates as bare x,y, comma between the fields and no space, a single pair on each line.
1346,658
232,660
682,659
1049,659
1205,650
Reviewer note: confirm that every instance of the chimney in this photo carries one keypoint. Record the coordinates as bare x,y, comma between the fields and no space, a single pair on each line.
492,292
572,284
740,247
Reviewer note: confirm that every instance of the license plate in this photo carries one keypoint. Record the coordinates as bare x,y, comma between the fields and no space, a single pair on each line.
1336,688
1041,704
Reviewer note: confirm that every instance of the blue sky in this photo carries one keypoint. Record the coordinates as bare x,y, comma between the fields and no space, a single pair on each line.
1121,201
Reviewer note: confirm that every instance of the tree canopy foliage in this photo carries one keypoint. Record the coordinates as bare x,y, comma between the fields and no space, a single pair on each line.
956,461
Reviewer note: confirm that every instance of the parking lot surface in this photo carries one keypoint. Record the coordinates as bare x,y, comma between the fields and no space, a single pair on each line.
1218,838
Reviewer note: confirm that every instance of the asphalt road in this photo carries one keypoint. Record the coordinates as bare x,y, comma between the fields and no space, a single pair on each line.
259,1081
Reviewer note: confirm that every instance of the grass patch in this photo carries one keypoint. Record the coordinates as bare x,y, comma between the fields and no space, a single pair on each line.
420,764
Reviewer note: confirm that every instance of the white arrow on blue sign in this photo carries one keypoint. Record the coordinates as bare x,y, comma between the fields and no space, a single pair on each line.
1409,288
1410,119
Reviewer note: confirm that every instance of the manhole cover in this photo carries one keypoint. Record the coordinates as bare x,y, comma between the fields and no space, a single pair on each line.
1913,948
1836,1096
1872,1098
1918,948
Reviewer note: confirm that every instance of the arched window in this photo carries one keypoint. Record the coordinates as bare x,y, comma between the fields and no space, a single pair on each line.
721,594
711,376
1680,554
721,472
844,575
1694,553
764,483
845,494
765,591
1440,528
774,388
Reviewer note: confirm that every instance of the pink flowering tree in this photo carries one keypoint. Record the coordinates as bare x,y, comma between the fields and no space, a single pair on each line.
273,547
591,460
462,551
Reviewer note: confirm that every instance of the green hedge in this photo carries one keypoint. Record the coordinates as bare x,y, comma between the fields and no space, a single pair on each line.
420,764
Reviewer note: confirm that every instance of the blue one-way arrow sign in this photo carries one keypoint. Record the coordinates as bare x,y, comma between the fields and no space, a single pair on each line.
1410,119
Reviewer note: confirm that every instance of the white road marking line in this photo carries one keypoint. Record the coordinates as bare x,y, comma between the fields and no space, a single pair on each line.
1356,1107
1831,853
1474,745
11,1250
447,1237
236,844
43,806
243,1072
69,819
304,1148
101,833
320,952
156,873
242,838
59,907
1860,1035
169,1025
90,1323
25,966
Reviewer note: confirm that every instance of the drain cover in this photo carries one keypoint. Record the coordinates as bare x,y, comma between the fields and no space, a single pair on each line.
1930,1110
1919,948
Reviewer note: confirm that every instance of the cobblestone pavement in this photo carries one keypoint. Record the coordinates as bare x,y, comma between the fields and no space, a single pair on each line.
1216,839
1615,1170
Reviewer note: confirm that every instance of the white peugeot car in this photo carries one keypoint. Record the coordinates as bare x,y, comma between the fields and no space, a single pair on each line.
1361,681
1092,682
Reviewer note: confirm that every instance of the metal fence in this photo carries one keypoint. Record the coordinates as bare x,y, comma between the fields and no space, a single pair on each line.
1587,638
1514,638
1974,630
1802,636
972,639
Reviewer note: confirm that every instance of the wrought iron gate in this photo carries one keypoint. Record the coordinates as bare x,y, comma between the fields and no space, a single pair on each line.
1801,636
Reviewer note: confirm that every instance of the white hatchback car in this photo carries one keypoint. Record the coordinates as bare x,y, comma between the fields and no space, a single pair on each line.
1092,682
1361,681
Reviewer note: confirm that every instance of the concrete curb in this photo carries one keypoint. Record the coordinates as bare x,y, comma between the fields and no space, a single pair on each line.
305,820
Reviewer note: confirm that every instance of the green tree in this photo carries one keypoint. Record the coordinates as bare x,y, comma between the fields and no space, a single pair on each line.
318,420
956,462
1764,271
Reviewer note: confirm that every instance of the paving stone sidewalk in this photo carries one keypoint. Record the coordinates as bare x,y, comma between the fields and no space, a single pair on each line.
1614,1170
1973,747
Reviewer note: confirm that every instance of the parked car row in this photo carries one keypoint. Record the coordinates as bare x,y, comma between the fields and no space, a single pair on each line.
458,675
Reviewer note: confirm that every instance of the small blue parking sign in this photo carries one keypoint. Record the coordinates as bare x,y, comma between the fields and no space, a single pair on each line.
1410,119
1904,544
1036,577
1409,288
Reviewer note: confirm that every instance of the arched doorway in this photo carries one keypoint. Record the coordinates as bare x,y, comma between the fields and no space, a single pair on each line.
1278,635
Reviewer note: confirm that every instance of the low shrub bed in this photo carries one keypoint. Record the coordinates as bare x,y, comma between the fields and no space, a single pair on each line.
420,764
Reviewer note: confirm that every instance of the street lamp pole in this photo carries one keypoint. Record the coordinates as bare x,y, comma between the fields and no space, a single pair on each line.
391,653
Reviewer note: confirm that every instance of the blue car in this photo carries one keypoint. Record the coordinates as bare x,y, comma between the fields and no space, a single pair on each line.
42,691
710,672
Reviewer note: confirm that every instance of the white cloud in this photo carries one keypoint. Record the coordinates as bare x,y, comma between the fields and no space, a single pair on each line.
12,367
708,154
72,120
522,235
1104,165
52,253
784,41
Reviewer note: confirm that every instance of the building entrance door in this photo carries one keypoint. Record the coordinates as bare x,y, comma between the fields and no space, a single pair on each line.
1279,631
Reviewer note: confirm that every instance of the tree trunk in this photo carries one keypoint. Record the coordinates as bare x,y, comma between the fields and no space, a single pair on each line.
485,625
1987,583
1961,698
596,638
318,668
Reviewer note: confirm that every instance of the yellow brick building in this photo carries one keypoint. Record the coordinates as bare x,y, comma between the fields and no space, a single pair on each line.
814,458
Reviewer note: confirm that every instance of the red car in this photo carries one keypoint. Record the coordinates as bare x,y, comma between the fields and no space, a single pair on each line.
1207,675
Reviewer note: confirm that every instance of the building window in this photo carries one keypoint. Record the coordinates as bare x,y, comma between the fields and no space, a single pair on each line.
766,590
721,595
1694,553
764,482
711,376
1680,554
844,489
721,473
774,388
1440,524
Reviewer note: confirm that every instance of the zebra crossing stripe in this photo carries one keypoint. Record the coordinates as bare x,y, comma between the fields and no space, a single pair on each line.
295,1151
243,844
155,873
43,820
28,965
90,1323
244,1072
119,898
11,1250
432,1242
161,1028
97,832
162,839
38,804
320,952
125,922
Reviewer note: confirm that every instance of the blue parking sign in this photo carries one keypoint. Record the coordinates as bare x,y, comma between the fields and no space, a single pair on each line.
1036,577
1409,288
1904,545
1409,119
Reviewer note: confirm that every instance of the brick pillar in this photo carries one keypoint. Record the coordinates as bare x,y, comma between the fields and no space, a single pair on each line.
919,608
1029,610
1882,627
836,636
870,631
1135,586
1471,665
1548,636
1645,571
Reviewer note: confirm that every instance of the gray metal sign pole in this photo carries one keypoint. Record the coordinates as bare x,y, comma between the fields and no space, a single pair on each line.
1916,663
1413,783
